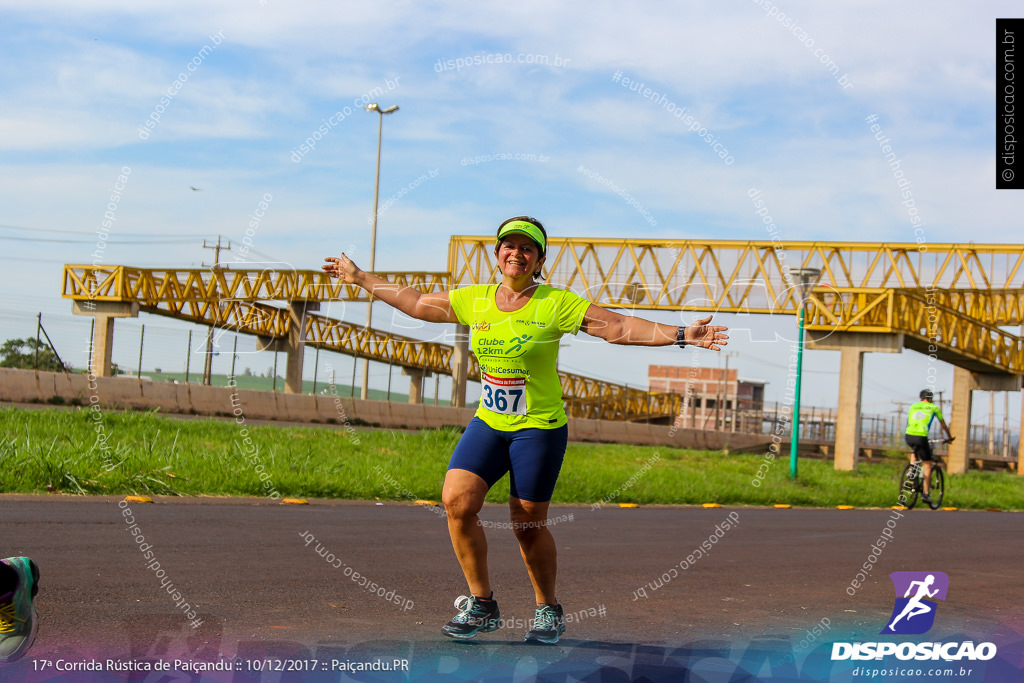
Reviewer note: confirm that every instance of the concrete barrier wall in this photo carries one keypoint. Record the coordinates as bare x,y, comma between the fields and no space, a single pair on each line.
128,393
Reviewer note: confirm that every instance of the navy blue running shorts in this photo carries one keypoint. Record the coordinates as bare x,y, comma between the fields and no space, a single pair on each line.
919,444
532,456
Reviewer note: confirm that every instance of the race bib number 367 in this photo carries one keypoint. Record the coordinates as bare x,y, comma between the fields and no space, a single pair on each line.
504,395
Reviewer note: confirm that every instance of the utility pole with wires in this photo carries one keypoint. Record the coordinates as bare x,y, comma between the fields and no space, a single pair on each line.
1006,425
721,414
899,406
900,419
991,423
216,247
208,366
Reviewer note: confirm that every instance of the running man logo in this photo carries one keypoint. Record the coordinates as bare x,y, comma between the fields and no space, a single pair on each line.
519,341
914,613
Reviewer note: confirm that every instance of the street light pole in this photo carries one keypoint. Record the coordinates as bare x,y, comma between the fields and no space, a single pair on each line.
808,278
364,391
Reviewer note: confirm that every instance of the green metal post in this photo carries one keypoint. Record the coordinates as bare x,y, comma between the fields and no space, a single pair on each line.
794,444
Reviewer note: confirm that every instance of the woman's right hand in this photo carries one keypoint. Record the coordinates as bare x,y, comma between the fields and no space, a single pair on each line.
342,267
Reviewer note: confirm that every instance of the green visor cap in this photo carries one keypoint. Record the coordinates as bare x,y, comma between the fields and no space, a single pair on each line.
526,228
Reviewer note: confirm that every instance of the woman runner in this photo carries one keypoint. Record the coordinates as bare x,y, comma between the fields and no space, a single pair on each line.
520,427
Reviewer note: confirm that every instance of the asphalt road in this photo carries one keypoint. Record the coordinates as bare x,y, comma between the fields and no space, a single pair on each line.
244,567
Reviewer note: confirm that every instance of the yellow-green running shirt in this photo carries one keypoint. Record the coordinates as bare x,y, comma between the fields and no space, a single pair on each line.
920,419
518,353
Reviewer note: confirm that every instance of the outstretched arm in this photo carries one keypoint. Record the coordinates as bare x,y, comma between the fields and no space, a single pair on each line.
949,434
616,328
434,307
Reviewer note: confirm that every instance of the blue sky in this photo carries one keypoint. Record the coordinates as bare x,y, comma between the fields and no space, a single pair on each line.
500,107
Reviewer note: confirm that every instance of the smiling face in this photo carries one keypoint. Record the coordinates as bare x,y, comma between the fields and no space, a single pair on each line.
518,256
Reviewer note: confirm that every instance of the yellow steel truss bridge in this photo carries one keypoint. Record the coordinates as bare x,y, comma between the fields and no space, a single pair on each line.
952,301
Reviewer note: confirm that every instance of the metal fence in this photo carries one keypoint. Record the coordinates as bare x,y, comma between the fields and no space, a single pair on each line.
160,349
882,432
171,350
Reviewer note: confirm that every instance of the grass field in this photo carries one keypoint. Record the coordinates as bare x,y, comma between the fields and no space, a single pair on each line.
85,452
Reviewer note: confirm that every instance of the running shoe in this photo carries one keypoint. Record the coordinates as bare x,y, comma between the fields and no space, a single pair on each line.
926,498
473,617
548,624
18,619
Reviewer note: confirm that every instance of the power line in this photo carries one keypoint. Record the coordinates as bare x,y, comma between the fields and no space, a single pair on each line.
176,240
79,232
784,367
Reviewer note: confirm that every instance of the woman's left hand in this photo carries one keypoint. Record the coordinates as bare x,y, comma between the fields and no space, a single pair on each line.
706,336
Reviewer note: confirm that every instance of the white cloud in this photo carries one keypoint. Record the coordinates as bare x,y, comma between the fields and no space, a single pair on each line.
77,80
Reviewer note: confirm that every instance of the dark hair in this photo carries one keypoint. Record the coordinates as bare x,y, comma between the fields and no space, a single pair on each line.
926,395
538,275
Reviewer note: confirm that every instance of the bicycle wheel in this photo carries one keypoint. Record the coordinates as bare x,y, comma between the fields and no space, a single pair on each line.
936,487
909,486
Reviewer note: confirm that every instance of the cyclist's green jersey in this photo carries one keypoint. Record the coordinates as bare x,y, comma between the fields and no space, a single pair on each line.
517,352
920,419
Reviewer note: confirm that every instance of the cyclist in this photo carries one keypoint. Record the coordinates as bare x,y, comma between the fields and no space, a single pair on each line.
520,427
919,421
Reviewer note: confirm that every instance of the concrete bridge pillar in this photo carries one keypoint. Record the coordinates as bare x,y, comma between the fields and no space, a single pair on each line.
852,346
964,383
1020,438
460,366
416,376
293,344
103,335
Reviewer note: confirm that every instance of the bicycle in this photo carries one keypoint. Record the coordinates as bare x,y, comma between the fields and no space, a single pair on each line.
912,482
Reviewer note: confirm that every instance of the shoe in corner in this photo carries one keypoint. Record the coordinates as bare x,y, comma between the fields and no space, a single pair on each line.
18,619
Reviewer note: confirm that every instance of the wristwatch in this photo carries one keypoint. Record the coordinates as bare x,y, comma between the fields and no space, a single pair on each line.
681,337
